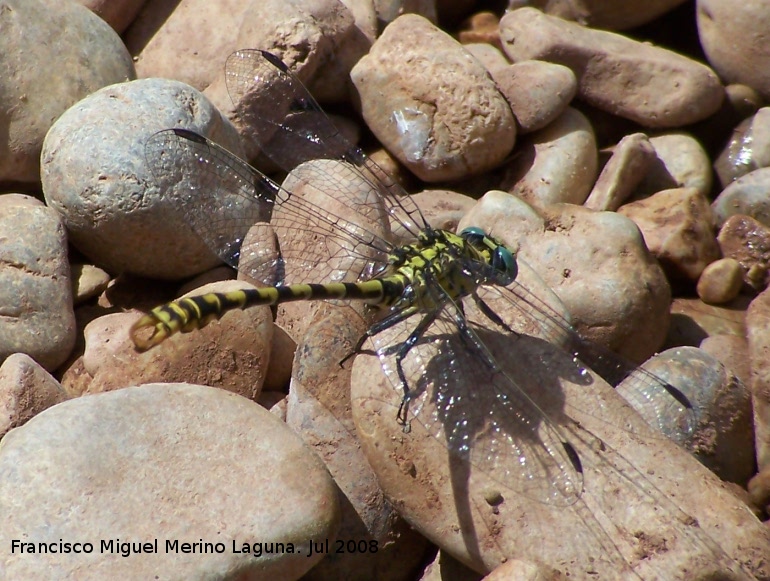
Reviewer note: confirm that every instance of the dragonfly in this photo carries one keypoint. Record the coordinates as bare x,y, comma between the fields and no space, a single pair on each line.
334,241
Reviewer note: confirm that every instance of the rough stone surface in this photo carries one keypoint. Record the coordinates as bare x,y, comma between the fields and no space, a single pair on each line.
52,54
650,85
26,389
597,264
35,288
231,353
678,228
173,462
431,103
747,241
631,160
537,91
556,164
318,41
111,203
747,195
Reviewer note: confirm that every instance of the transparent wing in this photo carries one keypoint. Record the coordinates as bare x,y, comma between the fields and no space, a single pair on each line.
222,197
291,128
461,397
656,399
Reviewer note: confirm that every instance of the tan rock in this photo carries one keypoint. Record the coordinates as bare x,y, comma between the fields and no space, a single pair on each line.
26,389
179,463
745,196
632,158
748,242
556,164
678,228
597,264
481,448
647,84
231,353
441,116
731,34
721,281
538,92
53,55
35,284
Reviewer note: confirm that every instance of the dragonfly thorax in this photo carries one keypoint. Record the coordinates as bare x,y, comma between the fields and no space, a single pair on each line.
457,264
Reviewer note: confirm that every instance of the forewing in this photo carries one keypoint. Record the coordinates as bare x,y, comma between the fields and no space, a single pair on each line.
222,197
291,128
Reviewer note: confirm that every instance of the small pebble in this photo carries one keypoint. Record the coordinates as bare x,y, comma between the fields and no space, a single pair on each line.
720,282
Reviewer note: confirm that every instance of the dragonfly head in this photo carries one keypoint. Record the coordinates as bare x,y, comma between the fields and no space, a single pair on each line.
495,253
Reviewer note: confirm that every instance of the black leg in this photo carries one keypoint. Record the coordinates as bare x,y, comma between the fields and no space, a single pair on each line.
406,346
491,315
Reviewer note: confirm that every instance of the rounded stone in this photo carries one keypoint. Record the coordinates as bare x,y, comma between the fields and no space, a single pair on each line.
26,389
231,353
745,196
556,164
114,210
721,281
682,162
537,91
53,55
631,160
463,449
650,85
35,285
732,36
179,463
748,148
441,115
748,242
722,435
596,262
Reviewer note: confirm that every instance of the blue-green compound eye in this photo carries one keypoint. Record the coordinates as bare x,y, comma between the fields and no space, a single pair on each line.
504,262
473,232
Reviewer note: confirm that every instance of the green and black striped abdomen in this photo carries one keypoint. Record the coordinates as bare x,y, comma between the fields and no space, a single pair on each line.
191,313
